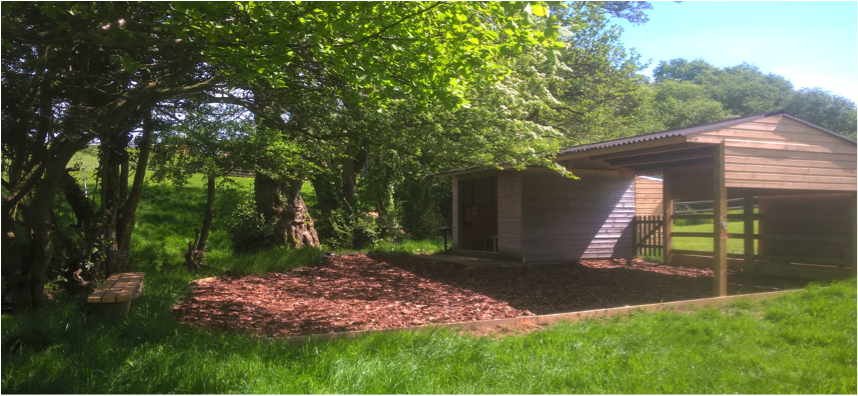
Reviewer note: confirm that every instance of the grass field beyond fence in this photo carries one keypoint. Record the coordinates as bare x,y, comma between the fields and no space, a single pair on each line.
734,245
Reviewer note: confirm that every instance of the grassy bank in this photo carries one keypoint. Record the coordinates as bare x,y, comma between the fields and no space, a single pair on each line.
801,342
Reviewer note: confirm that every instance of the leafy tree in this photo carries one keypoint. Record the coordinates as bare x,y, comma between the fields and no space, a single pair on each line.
209,140
822,108
66,81
76,72
577,90
697,71
679,104
742,90
595,83
632,11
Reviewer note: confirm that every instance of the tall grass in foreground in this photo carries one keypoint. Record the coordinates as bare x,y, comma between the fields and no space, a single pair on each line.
802,342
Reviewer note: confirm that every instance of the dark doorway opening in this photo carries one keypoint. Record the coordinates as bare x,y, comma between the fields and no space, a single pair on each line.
478,214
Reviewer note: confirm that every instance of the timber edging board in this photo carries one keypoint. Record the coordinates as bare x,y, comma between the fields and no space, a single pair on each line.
547,319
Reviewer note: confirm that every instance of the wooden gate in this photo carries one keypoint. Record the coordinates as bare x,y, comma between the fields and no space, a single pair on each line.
649,236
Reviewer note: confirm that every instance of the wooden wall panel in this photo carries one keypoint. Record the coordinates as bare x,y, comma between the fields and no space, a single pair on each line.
509,214
827,233
692,184
779,153
648,196
566,219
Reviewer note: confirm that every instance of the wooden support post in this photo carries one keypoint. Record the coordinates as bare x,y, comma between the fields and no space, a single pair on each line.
667,195
854,239
634,236
719,267
748,218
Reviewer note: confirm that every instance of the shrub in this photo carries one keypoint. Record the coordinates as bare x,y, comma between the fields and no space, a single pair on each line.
418,205
343,228
250,231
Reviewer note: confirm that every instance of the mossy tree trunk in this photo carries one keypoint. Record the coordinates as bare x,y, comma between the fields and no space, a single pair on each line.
281,202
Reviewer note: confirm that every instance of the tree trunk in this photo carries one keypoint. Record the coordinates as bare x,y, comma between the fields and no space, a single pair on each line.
281,202
126,221
326,197
277,200
197,248
351,167
26,265
79,244
114,182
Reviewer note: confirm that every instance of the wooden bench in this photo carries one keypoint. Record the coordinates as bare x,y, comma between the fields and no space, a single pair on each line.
116,293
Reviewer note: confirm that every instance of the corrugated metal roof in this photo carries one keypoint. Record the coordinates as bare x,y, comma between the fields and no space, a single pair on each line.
692,130
667,134
676,132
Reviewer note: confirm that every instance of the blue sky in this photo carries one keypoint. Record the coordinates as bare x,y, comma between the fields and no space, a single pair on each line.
810,43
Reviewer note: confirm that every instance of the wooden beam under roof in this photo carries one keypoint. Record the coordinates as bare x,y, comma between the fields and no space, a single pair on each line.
622,148
630,152
684,156
691,164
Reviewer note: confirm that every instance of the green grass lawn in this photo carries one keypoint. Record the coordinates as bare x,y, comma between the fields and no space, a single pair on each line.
802,342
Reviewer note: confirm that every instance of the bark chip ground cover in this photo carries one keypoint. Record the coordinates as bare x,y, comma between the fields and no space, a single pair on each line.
384,291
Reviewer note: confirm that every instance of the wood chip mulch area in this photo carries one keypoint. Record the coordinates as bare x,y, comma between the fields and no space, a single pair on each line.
383,291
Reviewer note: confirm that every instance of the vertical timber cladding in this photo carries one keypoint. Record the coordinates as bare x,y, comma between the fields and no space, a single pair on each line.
565,219
509,213
648,196
779,153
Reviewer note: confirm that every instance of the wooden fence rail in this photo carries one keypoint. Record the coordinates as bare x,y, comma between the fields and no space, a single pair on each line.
649,236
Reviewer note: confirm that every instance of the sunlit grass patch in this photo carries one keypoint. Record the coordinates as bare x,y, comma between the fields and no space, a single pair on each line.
423,246
802,342
274,260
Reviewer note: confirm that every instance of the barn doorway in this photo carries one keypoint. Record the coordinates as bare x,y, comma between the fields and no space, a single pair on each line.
478,214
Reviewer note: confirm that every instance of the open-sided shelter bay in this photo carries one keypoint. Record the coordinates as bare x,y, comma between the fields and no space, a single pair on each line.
800,178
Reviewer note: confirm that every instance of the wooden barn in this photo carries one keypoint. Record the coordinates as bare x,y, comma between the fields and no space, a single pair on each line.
802,178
